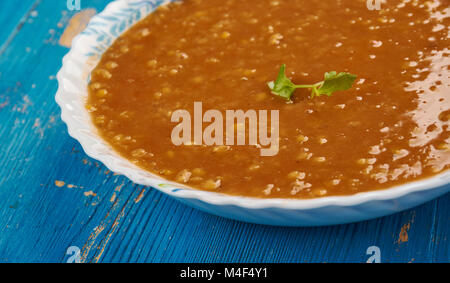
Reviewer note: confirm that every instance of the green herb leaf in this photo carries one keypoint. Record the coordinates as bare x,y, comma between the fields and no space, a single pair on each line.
335,82
332,82
283,86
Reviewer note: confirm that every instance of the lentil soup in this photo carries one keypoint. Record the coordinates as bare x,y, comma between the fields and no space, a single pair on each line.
390,128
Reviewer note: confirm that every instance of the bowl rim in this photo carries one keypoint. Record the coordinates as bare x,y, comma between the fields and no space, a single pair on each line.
114,162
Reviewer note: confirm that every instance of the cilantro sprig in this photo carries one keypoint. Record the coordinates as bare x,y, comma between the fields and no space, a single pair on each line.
332,82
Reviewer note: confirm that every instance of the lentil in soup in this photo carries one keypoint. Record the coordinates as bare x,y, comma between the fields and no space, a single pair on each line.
390,128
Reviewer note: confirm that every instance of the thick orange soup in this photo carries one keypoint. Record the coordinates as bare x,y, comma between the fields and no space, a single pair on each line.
281,98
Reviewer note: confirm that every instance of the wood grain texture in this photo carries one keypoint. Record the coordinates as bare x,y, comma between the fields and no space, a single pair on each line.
52,196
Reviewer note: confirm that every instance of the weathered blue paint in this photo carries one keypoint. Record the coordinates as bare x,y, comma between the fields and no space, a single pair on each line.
113,220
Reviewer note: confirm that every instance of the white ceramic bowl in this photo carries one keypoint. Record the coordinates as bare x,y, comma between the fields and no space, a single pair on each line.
73,78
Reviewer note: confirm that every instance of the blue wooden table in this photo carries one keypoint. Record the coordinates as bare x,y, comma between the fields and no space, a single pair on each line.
55,201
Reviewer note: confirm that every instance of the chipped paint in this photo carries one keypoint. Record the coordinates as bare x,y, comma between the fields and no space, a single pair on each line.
37,123
119,187
108,237
90,193
403,235
59,183
25,104
113,197
91,240
64,19
140,196
4,103
76,25
39,129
